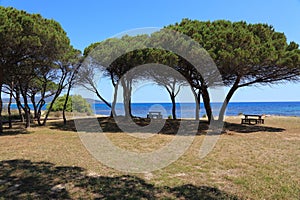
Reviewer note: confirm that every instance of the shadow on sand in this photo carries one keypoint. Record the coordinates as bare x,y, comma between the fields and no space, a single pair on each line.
241,128
17,129
108,124
23,179
170,126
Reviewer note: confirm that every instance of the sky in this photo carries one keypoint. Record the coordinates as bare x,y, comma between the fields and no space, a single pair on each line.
92,21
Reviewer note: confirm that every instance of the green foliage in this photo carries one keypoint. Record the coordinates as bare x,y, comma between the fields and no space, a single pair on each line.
245,54
30,36
253,53
75,103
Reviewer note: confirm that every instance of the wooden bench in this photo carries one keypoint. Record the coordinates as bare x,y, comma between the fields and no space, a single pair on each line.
154,115
257,119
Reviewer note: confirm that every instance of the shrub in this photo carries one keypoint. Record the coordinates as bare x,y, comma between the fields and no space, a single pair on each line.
76,103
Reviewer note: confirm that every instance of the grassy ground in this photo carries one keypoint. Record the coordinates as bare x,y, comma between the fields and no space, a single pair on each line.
248,162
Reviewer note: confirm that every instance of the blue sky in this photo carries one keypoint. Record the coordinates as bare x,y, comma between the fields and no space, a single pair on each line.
94,20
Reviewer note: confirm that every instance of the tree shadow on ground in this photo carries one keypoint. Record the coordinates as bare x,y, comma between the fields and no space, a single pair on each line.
18,128
108,124
241,128
189,127
24,179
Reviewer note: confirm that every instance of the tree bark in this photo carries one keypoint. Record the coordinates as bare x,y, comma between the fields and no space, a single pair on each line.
26,107
126,98
197,101
65,104
227,98
206,101
32,97
19,105
1,104
50,107
61,86
102,99
9,107
41,104
173,106
42,101
113,106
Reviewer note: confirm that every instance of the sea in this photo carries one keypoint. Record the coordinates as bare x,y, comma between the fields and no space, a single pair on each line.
187,110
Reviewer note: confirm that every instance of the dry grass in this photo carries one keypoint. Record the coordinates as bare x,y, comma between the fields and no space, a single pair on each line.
249,162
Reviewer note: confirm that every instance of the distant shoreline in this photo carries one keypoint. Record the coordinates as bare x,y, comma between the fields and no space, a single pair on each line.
187,110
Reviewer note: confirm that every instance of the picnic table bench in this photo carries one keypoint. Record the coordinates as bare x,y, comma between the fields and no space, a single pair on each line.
154,115
257,119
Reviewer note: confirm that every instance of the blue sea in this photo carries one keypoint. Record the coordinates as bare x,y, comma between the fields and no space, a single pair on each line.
187,110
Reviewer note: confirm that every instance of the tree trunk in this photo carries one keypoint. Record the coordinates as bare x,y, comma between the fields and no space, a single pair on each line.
113,106
127,87
50,107
173,106
27,117
34,106
26,107
125,99
27,113
41,104
1,104
56,95
206,101
19,105
227,99
197,102
102,99
65,104
129,99
9,107
225,103
197,98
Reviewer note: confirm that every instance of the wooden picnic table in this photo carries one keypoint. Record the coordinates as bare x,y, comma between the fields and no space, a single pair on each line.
249,118
154,115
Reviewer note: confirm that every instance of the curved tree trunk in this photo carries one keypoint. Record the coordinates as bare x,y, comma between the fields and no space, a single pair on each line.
27,113
113,105
197,103
206,101
227,99
102,99
225,103
50,108
26,107
65,104
35,114
19,105
41,104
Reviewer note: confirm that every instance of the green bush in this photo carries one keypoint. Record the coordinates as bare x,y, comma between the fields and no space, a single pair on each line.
76,103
